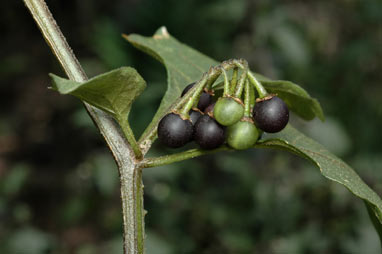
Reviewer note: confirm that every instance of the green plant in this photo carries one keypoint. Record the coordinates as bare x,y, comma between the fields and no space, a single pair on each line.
114,92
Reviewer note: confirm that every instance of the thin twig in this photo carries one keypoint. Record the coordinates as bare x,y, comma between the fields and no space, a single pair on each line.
171,158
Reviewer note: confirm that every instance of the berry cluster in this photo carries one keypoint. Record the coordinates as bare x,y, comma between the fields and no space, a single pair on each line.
236,117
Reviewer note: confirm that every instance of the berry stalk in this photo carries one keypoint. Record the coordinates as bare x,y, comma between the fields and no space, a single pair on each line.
234,79
227,91
196,92
241,82
210,77
259,87
248,93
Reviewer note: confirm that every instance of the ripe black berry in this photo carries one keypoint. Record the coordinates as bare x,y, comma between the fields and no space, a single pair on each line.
208,133
194,115
204,100
209,108
173,131
271,114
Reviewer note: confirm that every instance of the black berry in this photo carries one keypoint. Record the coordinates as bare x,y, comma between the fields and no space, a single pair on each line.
208,133
271,114
173,131
209,108
194,115
204,100
187,88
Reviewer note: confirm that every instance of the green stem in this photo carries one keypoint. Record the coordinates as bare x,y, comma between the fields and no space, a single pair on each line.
252,99
207,81
196,91
193,153
259,87
129,135
247,99
132,208
213,76
130,173
234,79
226,83
243,78
168,159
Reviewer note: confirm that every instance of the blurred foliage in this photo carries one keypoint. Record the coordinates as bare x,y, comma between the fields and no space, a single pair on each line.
59,185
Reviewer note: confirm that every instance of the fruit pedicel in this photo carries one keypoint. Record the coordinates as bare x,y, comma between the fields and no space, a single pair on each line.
237,117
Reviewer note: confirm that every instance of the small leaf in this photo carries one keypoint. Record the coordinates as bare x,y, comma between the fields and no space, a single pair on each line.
297,99
113,92
185,65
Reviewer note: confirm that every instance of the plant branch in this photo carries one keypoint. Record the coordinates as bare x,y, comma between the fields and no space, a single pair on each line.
189,154
130,173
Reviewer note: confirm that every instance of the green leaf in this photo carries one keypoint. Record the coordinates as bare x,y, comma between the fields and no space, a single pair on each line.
297,99
330,165
185,65
113,92
376,218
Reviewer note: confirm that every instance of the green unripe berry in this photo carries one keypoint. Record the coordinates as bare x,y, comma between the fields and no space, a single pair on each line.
228,111
242,135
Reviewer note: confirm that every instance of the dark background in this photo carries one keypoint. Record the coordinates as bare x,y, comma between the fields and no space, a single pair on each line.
59,185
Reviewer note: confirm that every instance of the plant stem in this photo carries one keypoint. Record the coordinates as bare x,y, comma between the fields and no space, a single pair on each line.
247,99
130,173
234,80
242,79
259,87
196,91
168,159
132,205
129,135
226,92
252,99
